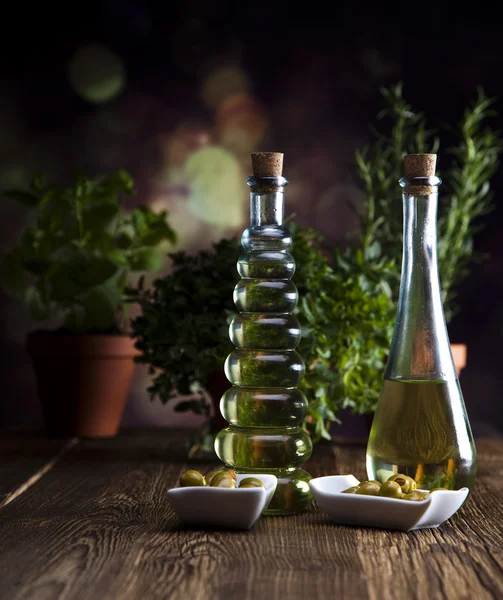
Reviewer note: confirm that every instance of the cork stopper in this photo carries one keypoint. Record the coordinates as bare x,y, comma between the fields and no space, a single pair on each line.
267,164
420,165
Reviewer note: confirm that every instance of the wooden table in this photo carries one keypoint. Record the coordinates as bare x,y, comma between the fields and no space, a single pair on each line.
89,519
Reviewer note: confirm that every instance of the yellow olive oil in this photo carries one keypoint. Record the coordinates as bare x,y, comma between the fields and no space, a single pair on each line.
420,429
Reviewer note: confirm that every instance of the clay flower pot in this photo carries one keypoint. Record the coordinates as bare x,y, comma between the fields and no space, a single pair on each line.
459,356
83,381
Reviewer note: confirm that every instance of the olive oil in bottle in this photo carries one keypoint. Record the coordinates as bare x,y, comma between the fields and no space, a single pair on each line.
413,434
264,408
420,427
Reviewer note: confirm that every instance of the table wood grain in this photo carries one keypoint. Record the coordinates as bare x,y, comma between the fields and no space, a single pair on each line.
24,458
96,524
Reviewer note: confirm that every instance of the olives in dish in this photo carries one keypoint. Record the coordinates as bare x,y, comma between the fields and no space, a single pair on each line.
221,478
192,478
405,482
398,486
251,482
368,488
351,490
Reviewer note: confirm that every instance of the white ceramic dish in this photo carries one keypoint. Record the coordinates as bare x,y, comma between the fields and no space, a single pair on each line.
221,507
385,513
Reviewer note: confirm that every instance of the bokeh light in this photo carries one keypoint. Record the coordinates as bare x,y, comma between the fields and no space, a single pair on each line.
222,82
216,191
176,148
241,123
97,74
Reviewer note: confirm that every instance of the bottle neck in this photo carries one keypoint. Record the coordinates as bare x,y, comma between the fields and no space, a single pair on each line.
267,200
419,261
420,348
266,208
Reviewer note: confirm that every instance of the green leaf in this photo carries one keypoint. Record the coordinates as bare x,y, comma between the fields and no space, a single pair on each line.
119,258
93,272
63,289
23,197
121,179
99,217
53,213
123,241
373,252
151,227
364,284
99,306
145,259
39,182
35,303
158,233
77,274
139,222
126,181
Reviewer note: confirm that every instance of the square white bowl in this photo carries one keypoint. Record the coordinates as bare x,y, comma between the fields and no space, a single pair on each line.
384,513
226,508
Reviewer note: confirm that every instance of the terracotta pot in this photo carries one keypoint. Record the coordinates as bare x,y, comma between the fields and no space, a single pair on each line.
459,357
83,381
216,385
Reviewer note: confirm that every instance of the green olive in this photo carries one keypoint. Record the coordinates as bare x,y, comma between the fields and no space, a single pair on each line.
405,482
223,480
351,490
368,488
192,478
390,489
212,474
251,482
416,496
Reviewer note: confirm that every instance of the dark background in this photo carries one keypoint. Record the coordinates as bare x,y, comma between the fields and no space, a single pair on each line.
312,90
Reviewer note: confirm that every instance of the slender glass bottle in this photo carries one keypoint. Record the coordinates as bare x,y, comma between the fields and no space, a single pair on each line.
420,427
264,408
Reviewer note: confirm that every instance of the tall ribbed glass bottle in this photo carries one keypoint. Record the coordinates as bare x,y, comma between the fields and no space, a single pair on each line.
264,408
420,426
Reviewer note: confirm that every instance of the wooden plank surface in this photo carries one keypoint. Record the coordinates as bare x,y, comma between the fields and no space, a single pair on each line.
98,525
25,457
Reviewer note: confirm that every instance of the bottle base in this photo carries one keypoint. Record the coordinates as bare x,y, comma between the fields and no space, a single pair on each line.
292,495
451,474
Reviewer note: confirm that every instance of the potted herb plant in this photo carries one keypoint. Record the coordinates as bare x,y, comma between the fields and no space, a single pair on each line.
70,268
